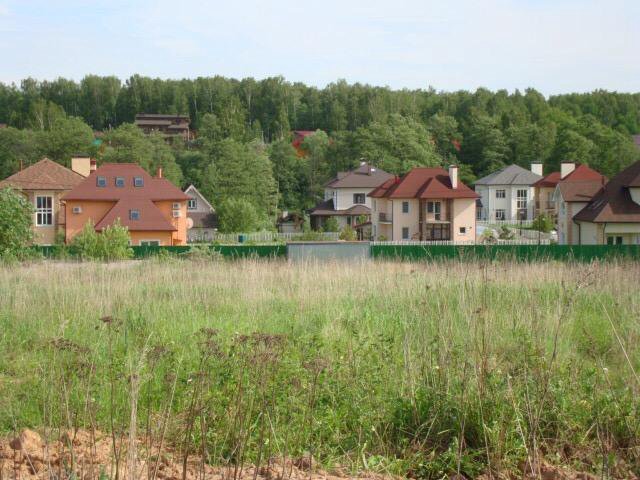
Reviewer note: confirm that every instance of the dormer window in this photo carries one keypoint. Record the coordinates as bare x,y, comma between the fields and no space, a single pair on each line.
138,182
120,182
101,181
134,214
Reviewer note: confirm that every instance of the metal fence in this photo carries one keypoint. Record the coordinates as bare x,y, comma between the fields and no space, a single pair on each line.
515,241
272,237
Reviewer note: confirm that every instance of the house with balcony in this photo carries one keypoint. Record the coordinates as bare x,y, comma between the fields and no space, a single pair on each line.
168,125
202,221
578,184
508,194
612,216
426,204
43,184
152,208
346,197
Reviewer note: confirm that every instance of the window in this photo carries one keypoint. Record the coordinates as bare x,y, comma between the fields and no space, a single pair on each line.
76,210
500,214
405,233
614,240
120,182
463,230
500,194
138,182
435,208
359,198
101,181
134,214
149,243
405,207
192,204
44,211
437,231
521,199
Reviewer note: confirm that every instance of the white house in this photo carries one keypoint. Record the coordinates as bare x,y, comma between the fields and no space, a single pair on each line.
508,194
202,221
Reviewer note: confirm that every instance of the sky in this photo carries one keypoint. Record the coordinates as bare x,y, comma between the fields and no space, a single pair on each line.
555,46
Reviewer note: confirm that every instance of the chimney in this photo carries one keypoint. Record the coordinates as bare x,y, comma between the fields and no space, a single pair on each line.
159,174
566,168
93,165
81,164
21,164
536,167
453,175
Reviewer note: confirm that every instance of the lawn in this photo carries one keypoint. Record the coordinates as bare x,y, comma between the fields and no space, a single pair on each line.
424,369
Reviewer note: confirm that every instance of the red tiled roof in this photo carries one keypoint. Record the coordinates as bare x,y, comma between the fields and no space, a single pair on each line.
44,175
154,189
550,180
151,218
579,191
423,183
583,173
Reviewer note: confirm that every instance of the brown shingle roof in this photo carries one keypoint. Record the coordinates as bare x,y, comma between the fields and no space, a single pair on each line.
44,175
365,176
423,183
154,189
614,203
579,191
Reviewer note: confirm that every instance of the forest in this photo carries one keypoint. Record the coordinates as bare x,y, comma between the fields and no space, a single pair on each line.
242,157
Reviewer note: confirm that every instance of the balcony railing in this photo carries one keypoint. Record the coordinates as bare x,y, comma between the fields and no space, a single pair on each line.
384,217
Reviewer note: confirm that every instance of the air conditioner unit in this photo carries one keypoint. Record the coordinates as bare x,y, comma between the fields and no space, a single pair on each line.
176,214
77,210
176,206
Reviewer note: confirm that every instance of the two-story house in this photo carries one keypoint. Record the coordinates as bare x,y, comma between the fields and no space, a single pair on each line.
508,194
577,186
426,204
43,184
613,215
152,208
346,196
202,221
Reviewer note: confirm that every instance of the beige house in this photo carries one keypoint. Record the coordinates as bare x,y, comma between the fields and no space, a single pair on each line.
44,183
426,204
202,221
613,215
346,197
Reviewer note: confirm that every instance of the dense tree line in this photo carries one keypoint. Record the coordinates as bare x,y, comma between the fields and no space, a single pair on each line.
243,148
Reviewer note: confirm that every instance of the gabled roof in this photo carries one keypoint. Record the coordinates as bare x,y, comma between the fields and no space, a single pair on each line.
326,208
151,218
44,175
613,203
365,176
154,189
579,191
423,183
580,174
548,181
510,175
194,190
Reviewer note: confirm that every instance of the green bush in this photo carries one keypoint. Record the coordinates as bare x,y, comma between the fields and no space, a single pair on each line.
505,233
111,244
542,223
15,223
348,233
331,225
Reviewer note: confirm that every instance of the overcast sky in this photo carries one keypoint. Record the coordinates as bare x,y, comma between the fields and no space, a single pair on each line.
555,46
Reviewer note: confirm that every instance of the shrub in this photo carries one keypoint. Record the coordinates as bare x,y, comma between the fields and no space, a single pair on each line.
237,215
505,233
15,223
542,223
331,225
348,233
111,244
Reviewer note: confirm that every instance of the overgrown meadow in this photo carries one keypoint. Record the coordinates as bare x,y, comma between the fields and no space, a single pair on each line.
422,369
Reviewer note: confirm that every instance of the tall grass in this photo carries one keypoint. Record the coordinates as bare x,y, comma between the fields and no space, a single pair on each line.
426,369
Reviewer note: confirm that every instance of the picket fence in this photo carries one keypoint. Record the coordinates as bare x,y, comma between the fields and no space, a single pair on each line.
270,237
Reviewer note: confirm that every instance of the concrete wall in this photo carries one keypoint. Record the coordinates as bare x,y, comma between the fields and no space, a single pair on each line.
343,251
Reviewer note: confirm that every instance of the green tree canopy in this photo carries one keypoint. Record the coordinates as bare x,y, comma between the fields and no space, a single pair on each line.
15,222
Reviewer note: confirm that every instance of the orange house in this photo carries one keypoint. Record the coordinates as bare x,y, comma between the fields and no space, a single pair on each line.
152,208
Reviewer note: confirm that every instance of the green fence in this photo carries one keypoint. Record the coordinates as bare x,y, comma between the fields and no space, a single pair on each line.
506,252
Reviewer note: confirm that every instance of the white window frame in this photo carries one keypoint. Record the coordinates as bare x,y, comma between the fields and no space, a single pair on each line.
522,200
503,212
501,193
101,181
137,211
192,204
135,182
408,237
402,207
41,212
364,198
147,243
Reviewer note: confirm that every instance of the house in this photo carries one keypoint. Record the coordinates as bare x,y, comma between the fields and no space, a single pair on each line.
152,208
169,125
544,190
612,216
290,223
425,204
578,184
202,221
298,140
44,183
345,197
508,194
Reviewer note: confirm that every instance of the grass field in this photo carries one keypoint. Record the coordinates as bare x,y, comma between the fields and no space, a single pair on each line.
421,369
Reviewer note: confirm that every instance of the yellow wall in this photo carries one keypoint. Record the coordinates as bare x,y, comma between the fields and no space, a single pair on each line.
92,211
179,237
463,215
164,237
46,235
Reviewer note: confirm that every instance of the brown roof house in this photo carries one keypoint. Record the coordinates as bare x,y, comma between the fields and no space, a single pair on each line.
44,183
152,208
346,197
577,186
170,126
426,204
202,221
612,215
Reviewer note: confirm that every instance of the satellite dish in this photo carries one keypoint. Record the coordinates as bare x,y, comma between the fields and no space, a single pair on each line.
189,223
